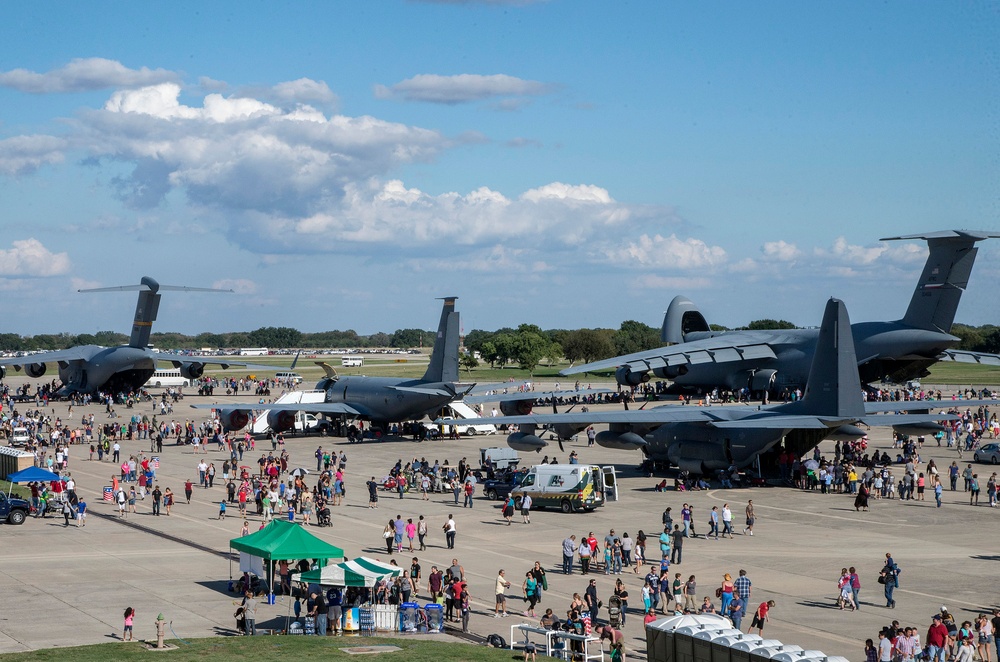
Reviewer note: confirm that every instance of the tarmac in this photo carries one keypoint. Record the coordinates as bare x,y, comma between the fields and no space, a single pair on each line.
69,586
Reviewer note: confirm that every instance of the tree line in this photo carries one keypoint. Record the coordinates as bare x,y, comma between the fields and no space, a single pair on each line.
528,345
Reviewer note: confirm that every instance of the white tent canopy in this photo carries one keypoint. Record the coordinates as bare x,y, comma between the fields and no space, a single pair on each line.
361,571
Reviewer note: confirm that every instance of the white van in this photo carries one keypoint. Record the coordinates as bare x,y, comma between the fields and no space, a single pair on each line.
19,437
167,377
571,487
286,376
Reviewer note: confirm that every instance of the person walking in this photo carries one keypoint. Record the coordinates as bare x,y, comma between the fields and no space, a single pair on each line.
501,595
727,521
676,551
449,531
250,612
889,577
751,518
569,553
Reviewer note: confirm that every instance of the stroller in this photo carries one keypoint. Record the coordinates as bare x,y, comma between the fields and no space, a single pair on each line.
615,612
323,517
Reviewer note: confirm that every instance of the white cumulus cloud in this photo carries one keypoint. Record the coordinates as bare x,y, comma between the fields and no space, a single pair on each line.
462,88
668,253
84,75
780,250
28,257
24,154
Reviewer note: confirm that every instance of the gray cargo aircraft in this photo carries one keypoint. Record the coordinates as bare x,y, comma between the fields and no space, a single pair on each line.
776,361
381,400
703,439
92,368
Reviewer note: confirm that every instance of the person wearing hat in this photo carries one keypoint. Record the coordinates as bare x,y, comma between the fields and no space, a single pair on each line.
937,640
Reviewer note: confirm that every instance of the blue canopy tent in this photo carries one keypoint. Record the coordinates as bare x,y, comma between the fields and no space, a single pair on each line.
31,475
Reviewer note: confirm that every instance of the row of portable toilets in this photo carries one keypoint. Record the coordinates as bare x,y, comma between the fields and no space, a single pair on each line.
712,638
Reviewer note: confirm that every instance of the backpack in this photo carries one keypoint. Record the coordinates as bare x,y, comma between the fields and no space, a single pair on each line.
496,641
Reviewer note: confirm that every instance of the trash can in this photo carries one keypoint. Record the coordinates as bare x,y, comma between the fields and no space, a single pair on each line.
435,617
408,617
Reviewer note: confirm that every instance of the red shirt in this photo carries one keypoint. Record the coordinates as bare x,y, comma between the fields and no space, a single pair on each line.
762,610
937,634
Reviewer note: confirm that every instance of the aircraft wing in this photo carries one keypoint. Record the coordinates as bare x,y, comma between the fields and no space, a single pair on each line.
649,417
905,419
314,407
222,362
71,354
708,350
925,405
961,356
437,392
530,395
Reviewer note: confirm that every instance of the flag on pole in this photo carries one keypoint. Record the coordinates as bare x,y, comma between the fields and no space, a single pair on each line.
109,493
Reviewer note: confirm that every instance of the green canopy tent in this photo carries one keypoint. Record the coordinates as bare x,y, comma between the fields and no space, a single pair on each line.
284,541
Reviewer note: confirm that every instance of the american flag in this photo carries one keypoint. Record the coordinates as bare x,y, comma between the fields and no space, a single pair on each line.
109,493
155,463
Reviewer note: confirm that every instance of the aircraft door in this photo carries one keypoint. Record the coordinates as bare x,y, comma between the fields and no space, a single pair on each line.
610,483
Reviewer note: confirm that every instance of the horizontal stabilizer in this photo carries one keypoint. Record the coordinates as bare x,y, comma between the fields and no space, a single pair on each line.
531,395
925,405
961,356
422,390
906,419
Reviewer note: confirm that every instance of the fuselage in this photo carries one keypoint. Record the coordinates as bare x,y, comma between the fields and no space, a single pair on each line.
884,349
384,399
112,369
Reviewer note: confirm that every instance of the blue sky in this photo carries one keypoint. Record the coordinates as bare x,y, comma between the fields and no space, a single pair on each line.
566,163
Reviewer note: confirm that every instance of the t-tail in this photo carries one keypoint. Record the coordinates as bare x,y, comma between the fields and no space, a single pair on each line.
443,366
148,305
945,276
833,388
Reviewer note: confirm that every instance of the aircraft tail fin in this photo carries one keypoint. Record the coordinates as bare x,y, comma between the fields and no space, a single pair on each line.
682,317
443,366
945,276
148,305
833,387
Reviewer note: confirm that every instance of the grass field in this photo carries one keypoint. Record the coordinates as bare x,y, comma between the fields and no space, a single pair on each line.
272,649
19,490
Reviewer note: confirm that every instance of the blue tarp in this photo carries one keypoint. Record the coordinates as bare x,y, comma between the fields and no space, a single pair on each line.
31,475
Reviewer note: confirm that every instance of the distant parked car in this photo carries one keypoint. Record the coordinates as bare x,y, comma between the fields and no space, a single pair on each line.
988,453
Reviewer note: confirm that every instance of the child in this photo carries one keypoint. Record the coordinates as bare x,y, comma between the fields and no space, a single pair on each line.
222,509
129,617
871,653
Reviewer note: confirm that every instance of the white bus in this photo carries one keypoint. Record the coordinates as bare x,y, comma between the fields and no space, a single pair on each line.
352,361
253,351
167,377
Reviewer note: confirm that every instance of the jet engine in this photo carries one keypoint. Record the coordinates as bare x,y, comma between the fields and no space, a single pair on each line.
622,441
234,419
279,420
762,380
517,407
671,371
625,376
525,441
700,457
192,370
846,433
927,429
34,369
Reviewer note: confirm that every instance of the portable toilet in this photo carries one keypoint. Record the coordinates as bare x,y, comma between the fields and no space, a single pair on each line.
768,652
684,641
703,642
740,651
660,633
722,647
798,656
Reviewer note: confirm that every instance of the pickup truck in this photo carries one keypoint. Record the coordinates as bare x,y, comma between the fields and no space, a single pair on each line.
13,510
500,486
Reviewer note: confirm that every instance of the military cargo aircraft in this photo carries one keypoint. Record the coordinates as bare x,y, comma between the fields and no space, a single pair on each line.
705,439
92,368
778,361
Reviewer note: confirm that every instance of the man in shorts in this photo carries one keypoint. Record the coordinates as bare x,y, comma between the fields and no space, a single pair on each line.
502,586
526,509
751,518
760,617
